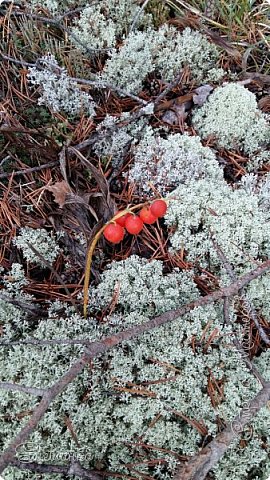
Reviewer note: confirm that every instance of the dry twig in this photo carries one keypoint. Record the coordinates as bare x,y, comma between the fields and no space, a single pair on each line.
251,310
72,470
26,171
22,388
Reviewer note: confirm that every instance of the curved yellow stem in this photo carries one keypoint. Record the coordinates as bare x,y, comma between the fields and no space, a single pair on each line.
91,251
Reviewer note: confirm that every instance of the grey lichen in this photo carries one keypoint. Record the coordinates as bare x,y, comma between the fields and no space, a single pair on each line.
117,136
187,49
128,67
101,24
166,51
165,163
41,240
234,218
58,91
232,117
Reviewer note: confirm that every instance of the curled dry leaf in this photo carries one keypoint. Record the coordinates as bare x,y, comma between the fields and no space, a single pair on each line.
264,104
63,195
60,191
176,116
201,93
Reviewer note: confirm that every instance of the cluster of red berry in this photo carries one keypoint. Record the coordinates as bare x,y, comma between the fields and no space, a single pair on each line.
114,232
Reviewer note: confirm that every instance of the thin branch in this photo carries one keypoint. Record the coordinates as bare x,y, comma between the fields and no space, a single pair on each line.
41,257
58,24
99,347
72,470
14,60
76,10
198,466
93,83
24,305
39,392
138,14
168,89
146,110
100,84
35,342
239,347
54,163
252,312
155,322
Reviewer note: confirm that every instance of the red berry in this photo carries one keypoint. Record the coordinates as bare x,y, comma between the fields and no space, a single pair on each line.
114,233
134,224
122,220
147,216
158,208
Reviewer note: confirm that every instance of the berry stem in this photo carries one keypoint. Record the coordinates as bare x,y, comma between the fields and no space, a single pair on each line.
90,252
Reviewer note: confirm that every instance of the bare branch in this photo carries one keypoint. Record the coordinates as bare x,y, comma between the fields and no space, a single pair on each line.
143,111
102,346
239,347
57,22
198,466
168,89
39,392
14,60
137,16
72,470
24,305
25,171
250,307
36,342
109,86
39,411
93,83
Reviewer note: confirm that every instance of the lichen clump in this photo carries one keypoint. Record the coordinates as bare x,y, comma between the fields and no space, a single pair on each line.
202,210
165,51
167,162
41,240
232,117
58,91
101,24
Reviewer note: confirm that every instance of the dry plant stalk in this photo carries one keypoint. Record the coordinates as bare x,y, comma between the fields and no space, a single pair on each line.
91,251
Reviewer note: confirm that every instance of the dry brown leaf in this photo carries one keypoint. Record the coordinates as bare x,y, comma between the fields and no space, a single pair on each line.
201,93
176,116
60,191
264,104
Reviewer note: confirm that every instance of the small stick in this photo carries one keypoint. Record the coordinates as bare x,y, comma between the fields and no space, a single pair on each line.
253,315
39,392
53,163
138,14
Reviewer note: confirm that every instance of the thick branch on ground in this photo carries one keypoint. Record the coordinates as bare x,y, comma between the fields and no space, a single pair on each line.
100,347
72,470
198,467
